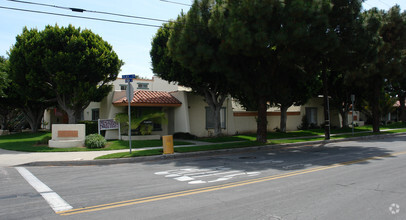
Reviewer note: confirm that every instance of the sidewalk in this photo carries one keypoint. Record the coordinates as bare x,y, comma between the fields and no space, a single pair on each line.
15,158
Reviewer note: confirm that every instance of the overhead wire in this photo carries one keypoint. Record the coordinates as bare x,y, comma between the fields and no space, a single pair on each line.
85,10
173,2
82,17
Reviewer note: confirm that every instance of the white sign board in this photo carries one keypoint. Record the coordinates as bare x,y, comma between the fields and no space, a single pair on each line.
109,124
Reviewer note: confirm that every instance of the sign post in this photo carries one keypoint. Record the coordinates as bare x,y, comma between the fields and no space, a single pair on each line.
130,93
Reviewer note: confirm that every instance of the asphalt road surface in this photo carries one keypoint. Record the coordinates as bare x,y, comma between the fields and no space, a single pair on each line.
348,180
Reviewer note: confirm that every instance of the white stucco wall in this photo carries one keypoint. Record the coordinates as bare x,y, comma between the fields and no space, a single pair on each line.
181,113
197,116
87,113
159,84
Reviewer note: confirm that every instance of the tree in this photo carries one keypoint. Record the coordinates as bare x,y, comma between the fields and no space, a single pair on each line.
394,32
384,58
187,51
75,65
294,87
30,92
338,52
7,103
260,38
4,81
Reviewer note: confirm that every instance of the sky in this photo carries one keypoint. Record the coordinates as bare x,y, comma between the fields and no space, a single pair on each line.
131,42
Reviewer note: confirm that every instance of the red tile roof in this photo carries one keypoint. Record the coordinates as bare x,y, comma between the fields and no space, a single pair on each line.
150,98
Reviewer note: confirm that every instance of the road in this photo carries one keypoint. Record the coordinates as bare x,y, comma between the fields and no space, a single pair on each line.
346,180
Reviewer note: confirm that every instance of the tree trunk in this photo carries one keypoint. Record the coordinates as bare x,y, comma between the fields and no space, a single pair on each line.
262,121
402,108
215,102
71,116
375,102
63,104
34,116
326,107
217,121
344,118
284,117
4,120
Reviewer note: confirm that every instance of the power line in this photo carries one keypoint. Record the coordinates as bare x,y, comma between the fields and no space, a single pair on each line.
84,10
178,3
385,3
82,17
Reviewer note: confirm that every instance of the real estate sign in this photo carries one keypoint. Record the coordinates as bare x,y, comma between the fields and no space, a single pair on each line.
109,124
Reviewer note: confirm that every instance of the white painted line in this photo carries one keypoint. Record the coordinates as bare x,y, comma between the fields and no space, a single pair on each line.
216,174
53,199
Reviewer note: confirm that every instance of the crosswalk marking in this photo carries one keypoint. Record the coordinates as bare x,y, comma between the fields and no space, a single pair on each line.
206,175
53,199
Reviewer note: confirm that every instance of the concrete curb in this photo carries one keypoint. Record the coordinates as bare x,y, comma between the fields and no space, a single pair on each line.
201,153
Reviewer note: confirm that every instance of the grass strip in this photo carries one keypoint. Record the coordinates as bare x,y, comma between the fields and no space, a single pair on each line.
235,145
27,142
182,150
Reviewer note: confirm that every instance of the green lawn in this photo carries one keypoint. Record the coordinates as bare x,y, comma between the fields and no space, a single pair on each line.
301,133
27,142
182,150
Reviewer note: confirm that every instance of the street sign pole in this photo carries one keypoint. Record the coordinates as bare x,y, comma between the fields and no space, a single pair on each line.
129,113
129,79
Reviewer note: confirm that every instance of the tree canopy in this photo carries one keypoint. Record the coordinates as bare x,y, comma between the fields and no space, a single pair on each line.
76,65
187,51
4,81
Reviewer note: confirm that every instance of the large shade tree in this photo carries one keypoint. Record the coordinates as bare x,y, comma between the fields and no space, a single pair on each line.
344,55
76,65
394,33
260,38
28,89
383,60
187,51
4,81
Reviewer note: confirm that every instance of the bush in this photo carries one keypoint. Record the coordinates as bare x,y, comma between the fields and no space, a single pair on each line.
184,135
146,129
95,141
44,140
305,124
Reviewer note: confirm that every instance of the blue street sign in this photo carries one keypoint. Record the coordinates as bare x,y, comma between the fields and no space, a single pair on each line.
128,80
131,76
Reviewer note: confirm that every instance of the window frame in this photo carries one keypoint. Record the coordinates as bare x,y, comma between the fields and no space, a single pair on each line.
223,118
94,110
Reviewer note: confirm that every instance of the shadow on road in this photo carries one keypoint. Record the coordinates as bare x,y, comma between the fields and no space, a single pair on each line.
288,159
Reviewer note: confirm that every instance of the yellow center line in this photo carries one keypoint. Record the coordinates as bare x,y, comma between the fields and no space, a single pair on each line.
217,187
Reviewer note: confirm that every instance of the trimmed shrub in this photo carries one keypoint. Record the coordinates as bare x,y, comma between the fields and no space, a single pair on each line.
44,140
184,135
95,141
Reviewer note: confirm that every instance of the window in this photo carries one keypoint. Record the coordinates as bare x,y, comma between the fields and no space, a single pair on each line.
210,118
311,115
95,114
142,86
123,87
